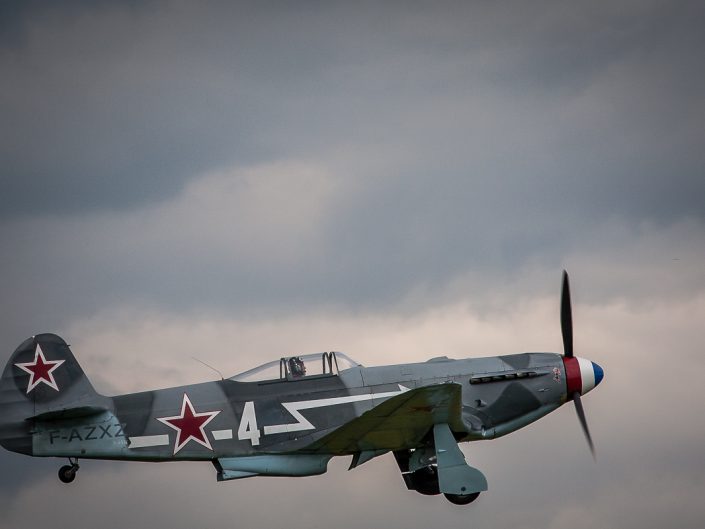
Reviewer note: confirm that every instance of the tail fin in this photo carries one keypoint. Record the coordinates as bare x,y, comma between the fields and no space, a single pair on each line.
41,379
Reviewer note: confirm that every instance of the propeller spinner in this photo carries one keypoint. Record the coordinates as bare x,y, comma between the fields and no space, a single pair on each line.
581,375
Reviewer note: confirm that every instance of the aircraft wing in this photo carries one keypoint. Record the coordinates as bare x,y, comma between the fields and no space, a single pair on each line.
399,421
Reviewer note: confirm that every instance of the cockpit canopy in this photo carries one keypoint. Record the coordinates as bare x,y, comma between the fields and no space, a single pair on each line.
298,367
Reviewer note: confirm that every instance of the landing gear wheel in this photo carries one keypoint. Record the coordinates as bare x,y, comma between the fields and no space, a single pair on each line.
67,473
462,499
425,481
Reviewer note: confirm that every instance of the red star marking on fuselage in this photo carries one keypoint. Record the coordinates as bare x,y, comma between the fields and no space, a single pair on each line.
40,370
189,425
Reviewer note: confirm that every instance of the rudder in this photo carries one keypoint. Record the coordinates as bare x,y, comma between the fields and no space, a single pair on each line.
41,378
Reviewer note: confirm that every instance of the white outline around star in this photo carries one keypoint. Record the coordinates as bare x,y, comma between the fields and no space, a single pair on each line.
33,383
204,441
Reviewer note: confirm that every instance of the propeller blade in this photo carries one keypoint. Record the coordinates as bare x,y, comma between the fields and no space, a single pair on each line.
566,318
583,421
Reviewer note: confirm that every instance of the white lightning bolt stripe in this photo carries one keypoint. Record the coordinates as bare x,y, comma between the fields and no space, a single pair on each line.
220,435
304,424
145,441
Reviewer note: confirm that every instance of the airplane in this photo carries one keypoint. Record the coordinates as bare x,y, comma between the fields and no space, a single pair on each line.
289,417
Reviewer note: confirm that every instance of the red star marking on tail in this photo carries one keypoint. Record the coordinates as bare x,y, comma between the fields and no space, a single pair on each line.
189,425
41,370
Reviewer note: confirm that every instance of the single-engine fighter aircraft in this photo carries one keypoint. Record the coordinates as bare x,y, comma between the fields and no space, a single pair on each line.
291,416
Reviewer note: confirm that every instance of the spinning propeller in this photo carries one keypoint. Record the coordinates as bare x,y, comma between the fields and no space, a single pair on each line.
581,375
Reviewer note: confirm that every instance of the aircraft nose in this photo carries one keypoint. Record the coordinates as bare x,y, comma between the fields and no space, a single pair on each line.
599,373
581,375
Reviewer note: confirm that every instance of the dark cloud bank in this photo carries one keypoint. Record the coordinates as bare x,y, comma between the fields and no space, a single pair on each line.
248,161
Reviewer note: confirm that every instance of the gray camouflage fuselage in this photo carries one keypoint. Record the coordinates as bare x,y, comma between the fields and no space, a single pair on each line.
521,389
288,425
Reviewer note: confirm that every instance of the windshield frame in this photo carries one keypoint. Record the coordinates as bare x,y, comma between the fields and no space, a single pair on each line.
332,363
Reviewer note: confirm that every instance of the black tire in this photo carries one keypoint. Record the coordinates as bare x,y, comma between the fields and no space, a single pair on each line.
462,499
425,481
67,474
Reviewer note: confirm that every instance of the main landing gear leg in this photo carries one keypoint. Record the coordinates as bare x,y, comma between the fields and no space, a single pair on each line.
67,473
459,482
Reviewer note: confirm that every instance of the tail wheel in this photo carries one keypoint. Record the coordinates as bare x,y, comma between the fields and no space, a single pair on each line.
67,473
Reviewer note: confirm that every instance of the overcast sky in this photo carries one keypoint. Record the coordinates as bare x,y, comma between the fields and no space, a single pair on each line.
236,181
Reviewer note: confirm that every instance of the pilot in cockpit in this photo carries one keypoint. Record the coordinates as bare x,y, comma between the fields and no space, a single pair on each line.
296,367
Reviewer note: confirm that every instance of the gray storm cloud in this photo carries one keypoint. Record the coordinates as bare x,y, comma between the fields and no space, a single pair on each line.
398,181
110,105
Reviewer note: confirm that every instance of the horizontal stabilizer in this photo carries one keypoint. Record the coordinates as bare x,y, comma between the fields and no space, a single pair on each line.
68,413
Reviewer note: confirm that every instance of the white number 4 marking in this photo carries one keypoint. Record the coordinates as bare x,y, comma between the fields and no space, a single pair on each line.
248,424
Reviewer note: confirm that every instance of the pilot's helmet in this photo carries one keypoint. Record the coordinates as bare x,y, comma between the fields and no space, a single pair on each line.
297,367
